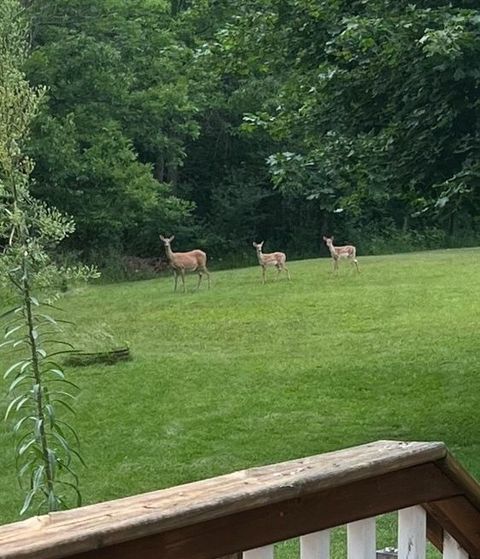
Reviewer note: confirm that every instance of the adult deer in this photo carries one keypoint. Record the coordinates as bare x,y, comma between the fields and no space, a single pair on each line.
348,252
181,262
276,259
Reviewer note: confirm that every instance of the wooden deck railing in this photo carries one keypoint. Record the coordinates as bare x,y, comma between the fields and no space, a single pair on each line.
248,511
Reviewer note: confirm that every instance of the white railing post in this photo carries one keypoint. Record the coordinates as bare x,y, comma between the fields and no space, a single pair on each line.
361,539
315,546
452,549
265,552
412,533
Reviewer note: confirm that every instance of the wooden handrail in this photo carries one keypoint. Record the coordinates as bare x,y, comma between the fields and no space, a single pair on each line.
258,506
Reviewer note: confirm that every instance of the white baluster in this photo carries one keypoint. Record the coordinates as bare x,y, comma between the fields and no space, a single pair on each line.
361,539
452,549
412,533
315,546
265,552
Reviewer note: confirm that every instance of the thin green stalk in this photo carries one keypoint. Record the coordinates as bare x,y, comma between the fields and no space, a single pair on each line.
38,395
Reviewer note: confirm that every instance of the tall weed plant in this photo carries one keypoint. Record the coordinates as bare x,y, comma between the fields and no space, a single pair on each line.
39,396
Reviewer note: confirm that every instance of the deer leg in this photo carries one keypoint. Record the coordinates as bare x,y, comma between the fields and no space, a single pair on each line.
199,279
288,273
264,274
182,274
208,275
175,277
355,261
335,266
279,269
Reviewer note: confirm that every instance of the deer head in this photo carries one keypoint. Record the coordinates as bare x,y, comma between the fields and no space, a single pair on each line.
167,241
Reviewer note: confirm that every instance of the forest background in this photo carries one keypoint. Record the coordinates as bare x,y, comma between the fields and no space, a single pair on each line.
224,122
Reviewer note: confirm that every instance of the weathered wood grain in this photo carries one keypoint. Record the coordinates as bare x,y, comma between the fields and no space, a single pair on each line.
267,524
250,491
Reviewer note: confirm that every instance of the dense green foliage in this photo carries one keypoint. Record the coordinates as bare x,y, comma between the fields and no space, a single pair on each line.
247,374
375,108
225,122
116,118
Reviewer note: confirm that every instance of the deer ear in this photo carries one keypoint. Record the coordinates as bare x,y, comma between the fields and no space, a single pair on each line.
332,237
162,237
324,238
254,244
171,238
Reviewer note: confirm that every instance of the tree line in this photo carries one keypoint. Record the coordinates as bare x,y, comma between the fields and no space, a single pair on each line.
229,122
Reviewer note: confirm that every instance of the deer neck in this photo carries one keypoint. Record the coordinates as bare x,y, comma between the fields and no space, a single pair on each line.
168,250
332,250
260,256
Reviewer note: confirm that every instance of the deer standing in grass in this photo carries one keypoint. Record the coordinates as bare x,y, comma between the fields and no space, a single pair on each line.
348,252
181,262
276,259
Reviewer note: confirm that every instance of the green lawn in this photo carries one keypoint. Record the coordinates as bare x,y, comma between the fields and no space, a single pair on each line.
248,374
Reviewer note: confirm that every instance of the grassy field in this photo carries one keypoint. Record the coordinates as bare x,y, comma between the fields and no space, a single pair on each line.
248,374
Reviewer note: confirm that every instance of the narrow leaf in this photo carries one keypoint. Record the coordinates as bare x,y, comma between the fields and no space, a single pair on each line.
11,331
28,501
50,411
65,381
20,422
17,381
26,364
52,502
69,408
52,461
26,446
77,491
63,393
9,312
22,402
37,477
70,429
12,404
57,372
13,367
48,318
60,342
37,429
23,470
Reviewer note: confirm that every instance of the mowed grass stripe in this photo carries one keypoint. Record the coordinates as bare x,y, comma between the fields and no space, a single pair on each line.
248,374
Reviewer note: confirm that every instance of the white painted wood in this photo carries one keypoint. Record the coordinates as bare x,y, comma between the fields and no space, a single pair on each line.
265,552
412,533
315,546
361,539
452,549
